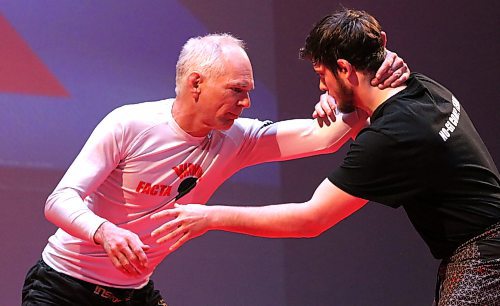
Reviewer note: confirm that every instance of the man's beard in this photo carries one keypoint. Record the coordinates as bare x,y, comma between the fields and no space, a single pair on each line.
345,102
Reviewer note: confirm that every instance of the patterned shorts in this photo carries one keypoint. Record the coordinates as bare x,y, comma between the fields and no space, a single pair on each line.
471,276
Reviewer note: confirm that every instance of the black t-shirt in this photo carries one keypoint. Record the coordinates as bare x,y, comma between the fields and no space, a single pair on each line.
422,152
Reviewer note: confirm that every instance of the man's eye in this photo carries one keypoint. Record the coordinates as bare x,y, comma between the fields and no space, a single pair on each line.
236,89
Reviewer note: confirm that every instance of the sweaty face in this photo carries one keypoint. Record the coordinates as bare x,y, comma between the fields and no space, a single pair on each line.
223,98
336,87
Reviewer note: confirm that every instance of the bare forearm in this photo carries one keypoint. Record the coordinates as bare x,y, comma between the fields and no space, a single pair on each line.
328,206
275,221
300,137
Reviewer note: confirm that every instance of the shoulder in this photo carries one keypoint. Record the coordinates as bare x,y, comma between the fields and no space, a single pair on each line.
413,113
139,116
424,87
131,120
147,112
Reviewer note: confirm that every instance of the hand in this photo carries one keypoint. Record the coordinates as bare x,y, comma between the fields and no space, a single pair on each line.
325,110
393,72
123,247
190,221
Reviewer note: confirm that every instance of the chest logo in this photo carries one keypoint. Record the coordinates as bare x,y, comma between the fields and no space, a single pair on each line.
192,173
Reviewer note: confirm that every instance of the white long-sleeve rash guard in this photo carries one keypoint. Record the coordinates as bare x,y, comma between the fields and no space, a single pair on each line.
133,163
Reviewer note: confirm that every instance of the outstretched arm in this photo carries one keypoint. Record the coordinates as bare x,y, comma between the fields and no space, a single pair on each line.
327,207
297,138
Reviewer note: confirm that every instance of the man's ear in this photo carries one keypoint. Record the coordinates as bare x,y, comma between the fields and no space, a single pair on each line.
384,38
344,68
347,72
194,81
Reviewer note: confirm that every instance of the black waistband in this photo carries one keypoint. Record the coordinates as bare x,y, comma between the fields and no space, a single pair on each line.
488,232
101,290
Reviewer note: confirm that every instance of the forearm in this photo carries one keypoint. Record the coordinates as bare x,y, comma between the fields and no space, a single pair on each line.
313,139
328,206
304,138
292,220
298,138
66,209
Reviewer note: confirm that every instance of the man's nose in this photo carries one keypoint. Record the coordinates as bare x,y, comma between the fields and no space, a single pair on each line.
245,102
322,86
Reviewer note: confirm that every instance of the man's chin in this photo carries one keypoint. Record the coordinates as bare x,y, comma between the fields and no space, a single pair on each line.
226,125
346,109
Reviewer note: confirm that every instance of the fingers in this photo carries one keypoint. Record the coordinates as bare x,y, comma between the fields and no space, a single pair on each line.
325,110
390,80
125,250
170,213
400,75
116,262
160,230
323,121
175,232
164,213
123,259
179,236
186,222
127,261
138,251
328,105
393,72
385,69
172,228
183,239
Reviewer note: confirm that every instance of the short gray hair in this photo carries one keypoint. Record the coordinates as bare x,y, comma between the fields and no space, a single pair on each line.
203,54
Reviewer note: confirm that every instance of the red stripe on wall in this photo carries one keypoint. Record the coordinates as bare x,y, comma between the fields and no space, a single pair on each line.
21,70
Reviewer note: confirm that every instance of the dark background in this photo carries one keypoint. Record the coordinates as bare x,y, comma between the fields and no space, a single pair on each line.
64,65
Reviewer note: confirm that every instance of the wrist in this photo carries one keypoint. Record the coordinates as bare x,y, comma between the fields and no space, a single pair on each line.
214,218
98,235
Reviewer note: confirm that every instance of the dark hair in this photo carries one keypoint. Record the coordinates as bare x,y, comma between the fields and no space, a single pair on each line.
346,34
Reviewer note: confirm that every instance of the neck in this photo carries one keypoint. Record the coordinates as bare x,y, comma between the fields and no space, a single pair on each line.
185,116
369,98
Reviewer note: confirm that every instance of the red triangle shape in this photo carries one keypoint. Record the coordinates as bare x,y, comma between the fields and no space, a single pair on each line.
21,71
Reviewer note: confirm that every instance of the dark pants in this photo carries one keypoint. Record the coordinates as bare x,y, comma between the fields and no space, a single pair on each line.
471,276
45,286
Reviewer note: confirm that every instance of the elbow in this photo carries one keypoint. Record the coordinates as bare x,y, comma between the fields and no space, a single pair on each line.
48,208
312,232
334,146
58,201
311,228
53,205
333,143
330,145
313,222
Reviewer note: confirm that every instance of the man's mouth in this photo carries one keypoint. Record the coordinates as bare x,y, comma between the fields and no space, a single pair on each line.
233,116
